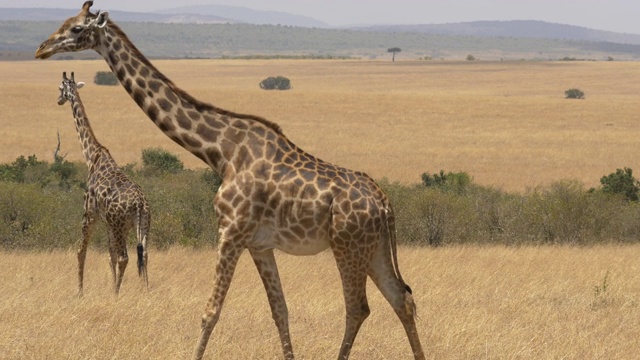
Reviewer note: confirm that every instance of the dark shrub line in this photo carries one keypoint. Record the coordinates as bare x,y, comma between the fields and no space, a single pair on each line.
41,207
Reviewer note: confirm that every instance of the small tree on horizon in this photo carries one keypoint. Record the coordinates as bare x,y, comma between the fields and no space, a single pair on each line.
394,50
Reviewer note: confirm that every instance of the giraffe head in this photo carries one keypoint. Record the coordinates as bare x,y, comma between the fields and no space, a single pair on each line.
68,88
77,33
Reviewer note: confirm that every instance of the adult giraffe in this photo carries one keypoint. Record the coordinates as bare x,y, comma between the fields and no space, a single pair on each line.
273,194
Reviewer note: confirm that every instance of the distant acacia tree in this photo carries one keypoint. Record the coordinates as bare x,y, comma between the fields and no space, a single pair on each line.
394,50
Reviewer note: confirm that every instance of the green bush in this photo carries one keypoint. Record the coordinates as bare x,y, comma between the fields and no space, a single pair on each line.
182,211
211,178
33,217
36,215
30,170
105,78
275,83
574,94
66,173
621,182
19,170
42,214
158,161
456,182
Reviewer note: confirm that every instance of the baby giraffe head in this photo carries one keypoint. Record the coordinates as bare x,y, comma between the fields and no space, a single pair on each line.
68,88
77,33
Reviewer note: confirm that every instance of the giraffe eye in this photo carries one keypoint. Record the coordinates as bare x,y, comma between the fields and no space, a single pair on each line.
77,29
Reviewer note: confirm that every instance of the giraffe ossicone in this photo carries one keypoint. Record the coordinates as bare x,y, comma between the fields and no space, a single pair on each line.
110,195
273,195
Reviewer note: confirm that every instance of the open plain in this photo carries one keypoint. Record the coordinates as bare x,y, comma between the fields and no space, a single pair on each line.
507,124
473,303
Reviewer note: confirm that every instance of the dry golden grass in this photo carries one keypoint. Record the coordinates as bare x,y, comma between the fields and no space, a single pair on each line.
473,303
505,123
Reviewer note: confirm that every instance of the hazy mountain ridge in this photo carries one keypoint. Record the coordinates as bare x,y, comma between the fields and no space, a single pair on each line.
45,14
511,28
187,35
246,15
215,14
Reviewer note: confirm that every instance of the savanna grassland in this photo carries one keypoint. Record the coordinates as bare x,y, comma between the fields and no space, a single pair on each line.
507,124
473,303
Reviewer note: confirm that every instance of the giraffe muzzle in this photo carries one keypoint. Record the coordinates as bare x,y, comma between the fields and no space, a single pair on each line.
43,51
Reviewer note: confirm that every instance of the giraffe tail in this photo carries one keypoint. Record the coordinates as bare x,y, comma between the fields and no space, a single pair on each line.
140,258
142,230
391,226
410,305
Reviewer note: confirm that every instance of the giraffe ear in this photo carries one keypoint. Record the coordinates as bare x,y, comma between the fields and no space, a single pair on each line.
79,85
86,6
101,19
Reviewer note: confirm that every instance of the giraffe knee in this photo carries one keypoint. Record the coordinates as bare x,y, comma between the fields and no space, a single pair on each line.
359,313
409,305
280,316
209,319
123,261
365,311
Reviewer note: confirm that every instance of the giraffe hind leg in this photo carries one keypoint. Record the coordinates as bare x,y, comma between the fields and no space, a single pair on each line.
118,255
123,260
87,227
398,295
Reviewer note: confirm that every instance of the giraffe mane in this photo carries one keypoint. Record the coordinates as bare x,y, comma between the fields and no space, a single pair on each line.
199,105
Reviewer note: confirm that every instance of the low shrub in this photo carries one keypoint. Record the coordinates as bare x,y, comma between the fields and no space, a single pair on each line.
447,208
105,78
574,94
621,182
456,182
157,161
275,83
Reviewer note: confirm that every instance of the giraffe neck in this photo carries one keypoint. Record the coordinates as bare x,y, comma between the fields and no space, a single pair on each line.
212,134
90,145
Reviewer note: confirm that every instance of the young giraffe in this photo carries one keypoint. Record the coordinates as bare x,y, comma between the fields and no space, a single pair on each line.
273,195
110,195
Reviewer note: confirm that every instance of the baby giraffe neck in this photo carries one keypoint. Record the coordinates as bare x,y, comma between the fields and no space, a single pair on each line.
90,144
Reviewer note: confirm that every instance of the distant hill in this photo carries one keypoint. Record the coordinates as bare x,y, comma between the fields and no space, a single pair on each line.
46,14
196,14
516,28
246,15
224,31
222,14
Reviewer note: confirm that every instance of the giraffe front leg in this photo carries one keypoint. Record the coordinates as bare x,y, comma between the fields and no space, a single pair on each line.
87,228
228,255
268,269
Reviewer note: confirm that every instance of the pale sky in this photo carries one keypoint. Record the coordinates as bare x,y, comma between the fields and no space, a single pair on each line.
611,15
